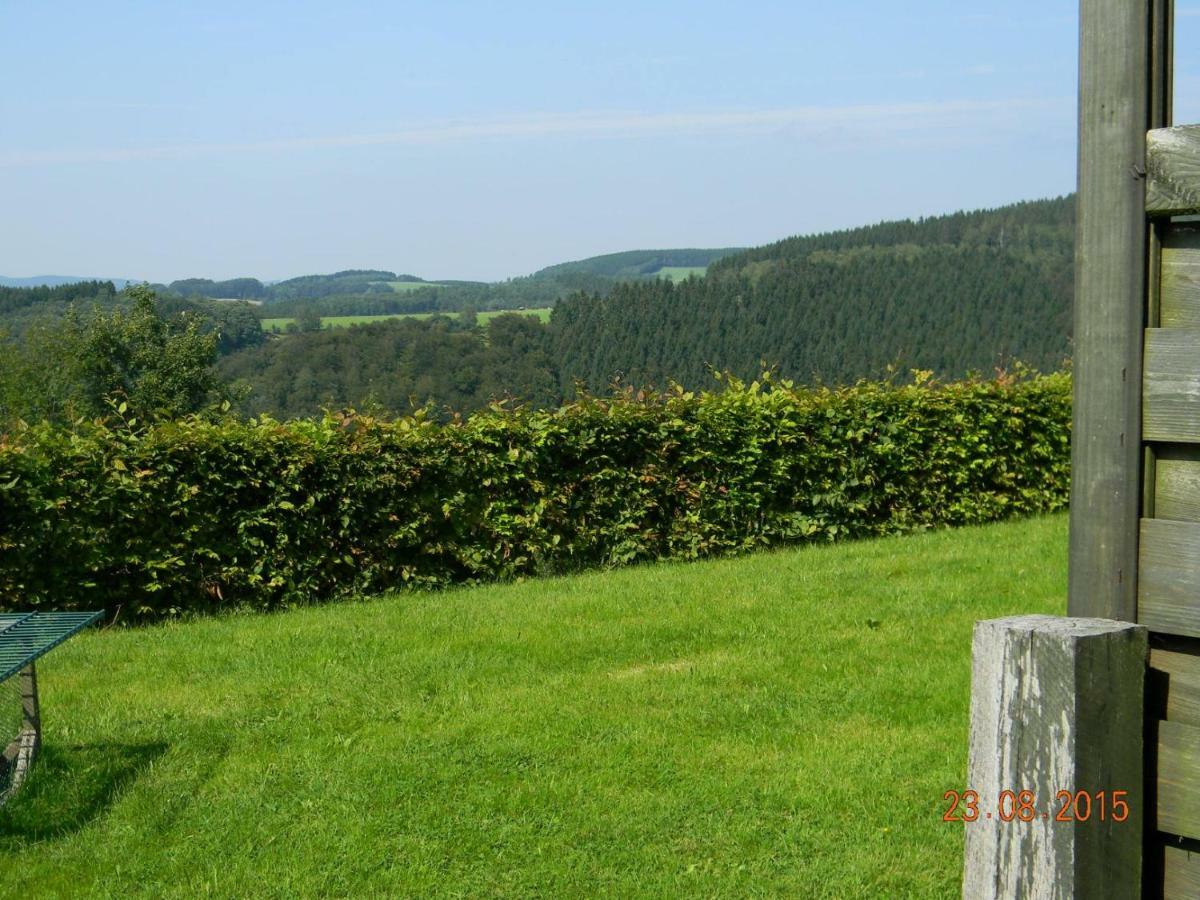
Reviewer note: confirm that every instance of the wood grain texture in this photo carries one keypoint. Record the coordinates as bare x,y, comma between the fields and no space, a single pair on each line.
1181,869
1179,298
1125,90
1177,482
1171,385
1173,171
1174,685
1110,288
1169,577
1179,779
1055,703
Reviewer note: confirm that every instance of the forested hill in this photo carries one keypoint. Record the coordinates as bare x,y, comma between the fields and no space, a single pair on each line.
967,291
49,281
635,264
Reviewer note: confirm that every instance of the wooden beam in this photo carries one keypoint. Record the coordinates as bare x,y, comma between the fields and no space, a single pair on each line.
1180,296
1181,874
1173,171
1169,581
1115,111
1171,379
1174,686
1177,482
1179,779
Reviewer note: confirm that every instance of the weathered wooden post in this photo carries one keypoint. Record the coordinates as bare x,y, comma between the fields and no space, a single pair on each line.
1055,765
1135,517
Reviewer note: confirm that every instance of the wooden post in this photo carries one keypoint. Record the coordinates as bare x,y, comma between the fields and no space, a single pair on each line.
1123,92
1056,705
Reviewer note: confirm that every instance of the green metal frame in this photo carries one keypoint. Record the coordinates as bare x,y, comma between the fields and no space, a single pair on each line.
25,638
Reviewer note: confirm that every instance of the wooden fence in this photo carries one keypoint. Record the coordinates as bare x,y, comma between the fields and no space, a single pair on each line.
1135,521
1135,503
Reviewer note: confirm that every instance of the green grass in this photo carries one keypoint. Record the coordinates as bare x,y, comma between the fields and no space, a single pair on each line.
681,273
279,325
404,287
783,724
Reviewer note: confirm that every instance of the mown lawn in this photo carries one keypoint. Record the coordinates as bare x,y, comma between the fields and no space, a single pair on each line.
780,724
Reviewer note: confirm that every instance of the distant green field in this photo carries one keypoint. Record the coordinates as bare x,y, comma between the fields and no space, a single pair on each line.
280,325
327,322
681,273
403,287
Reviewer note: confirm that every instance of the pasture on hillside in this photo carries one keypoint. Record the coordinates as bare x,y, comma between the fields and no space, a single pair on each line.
780,724
280,325
405,287
681,273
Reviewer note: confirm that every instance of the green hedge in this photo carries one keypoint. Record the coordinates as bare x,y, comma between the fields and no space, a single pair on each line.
195,515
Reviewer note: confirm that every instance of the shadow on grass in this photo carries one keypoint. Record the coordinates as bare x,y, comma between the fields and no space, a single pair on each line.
70,787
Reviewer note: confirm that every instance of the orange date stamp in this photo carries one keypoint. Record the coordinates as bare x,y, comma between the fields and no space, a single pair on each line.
1022,806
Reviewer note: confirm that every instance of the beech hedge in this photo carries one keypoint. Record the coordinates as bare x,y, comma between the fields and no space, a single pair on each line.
196,515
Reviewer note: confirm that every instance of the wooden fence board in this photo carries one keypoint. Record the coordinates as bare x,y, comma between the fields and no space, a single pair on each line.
1179,298
1169,577
1179,779
1173,171
1174,680
1177,483
1171,385
1181,874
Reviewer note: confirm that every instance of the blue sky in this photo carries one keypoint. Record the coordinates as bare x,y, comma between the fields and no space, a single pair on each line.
483,140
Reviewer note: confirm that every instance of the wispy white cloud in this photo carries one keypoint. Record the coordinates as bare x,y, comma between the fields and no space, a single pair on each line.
875,119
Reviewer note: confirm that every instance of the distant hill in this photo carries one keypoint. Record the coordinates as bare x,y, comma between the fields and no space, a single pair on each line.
56,281
966,291
362,292
953,293
636,264
21,307
231,289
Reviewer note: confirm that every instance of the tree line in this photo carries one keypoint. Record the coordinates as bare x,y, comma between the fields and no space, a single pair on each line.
950,294
969,291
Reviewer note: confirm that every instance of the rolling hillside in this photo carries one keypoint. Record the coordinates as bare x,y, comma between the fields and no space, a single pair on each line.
964,292
36,281
635,264
952,294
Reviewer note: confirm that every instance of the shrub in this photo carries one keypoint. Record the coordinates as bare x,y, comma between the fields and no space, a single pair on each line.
194,515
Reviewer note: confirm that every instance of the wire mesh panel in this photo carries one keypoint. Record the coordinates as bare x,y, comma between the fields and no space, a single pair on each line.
20,732
25,637
10,715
